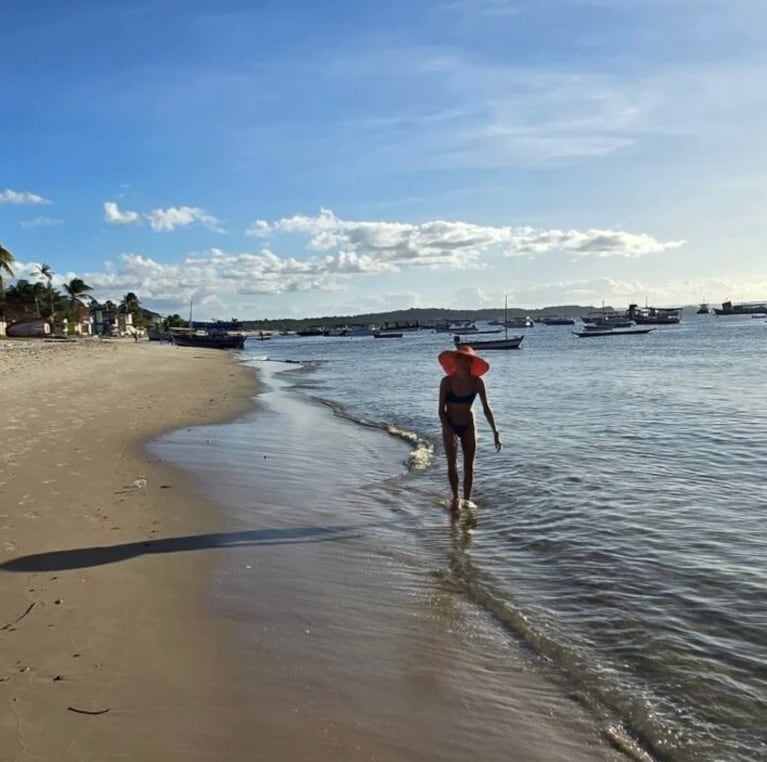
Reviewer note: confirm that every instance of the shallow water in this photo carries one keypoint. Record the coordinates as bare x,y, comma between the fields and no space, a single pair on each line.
620,537
348,629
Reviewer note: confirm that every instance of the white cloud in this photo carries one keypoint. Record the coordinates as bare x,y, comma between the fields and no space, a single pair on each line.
597,243
16,198
259,228
456,244
114,216
225,281
181,216
162,220
337,252
40,222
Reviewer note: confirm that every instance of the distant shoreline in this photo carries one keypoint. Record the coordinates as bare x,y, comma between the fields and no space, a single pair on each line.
428,315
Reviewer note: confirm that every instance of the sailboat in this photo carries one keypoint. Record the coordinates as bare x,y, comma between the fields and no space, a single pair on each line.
508,342
210,337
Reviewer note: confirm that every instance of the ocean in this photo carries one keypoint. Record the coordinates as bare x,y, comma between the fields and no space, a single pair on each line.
619,540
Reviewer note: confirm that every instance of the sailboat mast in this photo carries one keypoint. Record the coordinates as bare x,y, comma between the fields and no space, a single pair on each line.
506,317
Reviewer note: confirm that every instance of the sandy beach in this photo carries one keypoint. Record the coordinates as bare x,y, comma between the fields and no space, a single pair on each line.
133,642
150,612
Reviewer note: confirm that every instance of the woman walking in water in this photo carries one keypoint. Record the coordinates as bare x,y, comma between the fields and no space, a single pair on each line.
457,390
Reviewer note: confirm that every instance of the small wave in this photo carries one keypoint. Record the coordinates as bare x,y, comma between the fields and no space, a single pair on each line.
622,740
422,454
420,457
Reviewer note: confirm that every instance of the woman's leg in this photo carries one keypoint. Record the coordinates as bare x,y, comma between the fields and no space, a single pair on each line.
469,447
451,456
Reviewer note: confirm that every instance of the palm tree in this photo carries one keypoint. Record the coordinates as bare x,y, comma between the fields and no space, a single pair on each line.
46,271
130,302
24,292
130,305
6,259
76,287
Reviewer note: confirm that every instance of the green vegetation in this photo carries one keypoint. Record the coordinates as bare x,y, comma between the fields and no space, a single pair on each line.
174,321
6,260
40,299
45,271
424,317
130,304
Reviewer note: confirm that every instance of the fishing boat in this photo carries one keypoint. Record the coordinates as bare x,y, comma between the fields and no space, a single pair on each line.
596,330
214,336
462,326
508,342
557,320
744,308
209,339
607,319
387,335
654,315
519,322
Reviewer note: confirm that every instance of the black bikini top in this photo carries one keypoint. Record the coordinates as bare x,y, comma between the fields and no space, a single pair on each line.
461,399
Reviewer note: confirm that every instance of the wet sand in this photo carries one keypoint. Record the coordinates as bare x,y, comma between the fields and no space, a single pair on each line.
352,644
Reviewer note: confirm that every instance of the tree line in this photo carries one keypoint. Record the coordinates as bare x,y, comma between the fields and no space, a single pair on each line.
50,302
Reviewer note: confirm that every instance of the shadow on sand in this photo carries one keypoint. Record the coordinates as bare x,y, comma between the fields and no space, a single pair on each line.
82,558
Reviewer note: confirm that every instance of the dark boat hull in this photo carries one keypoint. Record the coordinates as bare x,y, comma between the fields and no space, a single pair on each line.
210,341
728,308
618,332
480,346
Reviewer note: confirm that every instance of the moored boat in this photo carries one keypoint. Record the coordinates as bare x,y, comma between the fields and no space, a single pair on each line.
744,308
594,330
557,320
508,342
208,339
654,315
462,326
607,319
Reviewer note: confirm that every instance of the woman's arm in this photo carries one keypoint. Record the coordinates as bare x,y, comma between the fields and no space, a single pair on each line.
443,401
489,413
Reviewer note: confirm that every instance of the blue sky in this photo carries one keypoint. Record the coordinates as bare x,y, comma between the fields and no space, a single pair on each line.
297,158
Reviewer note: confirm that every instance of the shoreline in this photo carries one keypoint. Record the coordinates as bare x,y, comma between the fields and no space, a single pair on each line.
103,610
350,641
132,635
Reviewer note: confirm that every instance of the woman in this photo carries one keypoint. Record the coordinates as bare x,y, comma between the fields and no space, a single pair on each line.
457,391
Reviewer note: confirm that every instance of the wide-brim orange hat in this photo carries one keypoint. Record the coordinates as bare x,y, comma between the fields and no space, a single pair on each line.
449,357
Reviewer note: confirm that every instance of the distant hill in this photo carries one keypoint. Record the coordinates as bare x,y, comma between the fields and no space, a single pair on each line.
421,316
427,316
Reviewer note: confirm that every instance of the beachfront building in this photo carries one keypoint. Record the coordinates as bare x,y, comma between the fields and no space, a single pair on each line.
81,323
22,317
110,320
